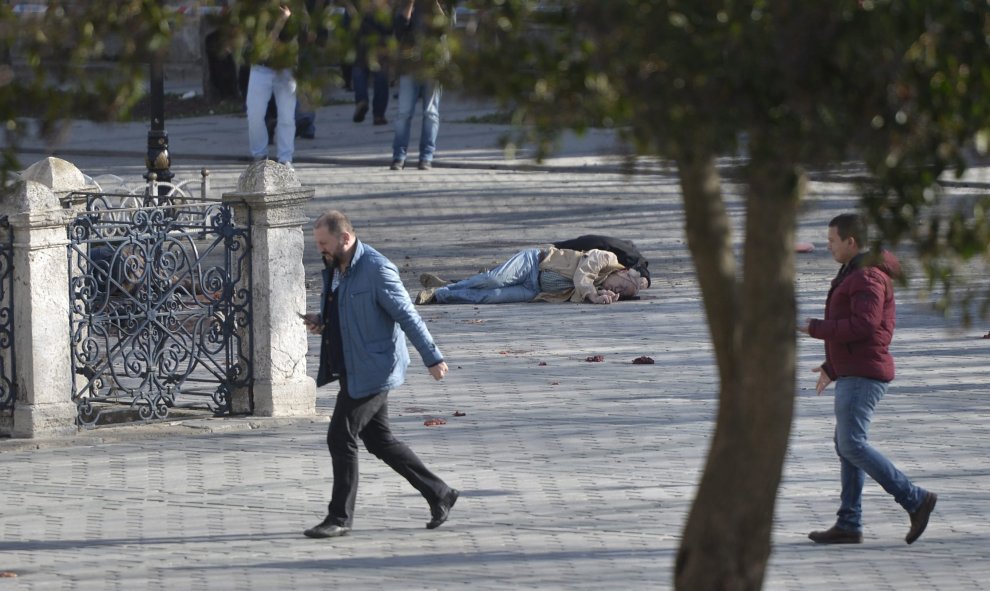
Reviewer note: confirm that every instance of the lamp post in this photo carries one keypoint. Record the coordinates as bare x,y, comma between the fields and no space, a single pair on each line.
158,161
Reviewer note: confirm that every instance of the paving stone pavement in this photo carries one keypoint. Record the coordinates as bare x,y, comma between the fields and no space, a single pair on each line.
575,475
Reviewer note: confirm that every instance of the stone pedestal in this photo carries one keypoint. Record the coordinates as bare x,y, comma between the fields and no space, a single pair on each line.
276,199
41,304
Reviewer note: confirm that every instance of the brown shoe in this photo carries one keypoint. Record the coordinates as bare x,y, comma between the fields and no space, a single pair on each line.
836,535
919,519
427,296
380,120
432,280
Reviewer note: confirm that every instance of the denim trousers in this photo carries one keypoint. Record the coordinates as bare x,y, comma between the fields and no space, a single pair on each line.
515,280
379,79
410,91
263,83
855,401
367,418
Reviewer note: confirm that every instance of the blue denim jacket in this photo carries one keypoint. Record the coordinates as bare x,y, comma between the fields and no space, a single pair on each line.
375,311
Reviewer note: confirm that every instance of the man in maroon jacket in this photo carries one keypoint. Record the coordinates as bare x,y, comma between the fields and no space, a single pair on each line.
857,329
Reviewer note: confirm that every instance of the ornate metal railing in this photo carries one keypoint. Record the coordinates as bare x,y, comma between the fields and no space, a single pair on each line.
8,393
160,305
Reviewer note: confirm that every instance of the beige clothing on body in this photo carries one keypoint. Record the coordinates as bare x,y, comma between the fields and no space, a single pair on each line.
588,269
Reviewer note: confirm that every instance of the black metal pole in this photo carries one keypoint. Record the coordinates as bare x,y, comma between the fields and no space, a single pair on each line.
158,160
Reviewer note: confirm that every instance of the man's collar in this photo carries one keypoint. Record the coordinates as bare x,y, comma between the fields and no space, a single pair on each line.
358,251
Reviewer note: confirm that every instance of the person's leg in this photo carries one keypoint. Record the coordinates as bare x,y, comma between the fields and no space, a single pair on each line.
431,120
515,280
850,513
408,92
515,294
516,270
259,91
350,417
285,99
380,102
378,439
359,77
305,119
855,403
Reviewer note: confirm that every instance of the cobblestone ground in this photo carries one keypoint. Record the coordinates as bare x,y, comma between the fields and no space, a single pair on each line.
575,475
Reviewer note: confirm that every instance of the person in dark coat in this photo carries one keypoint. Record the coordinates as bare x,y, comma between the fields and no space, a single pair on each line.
857,330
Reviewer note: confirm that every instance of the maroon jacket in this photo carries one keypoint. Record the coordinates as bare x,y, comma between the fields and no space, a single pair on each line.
859,320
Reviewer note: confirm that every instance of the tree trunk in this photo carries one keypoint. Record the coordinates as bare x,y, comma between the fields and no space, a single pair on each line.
726,541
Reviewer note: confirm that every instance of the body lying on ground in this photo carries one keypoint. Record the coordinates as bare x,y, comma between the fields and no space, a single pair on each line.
546,274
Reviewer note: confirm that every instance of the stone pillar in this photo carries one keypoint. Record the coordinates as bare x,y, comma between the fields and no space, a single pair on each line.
62,177
41,311
276,200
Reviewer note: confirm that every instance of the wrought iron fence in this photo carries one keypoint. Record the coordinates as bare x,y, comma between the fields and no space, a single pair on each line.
8,392
160,292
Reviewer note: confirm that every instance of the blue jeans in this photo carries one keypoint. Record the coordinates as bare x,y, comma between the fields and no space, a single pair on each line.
515,280
359,78
855,401
410,91
263,83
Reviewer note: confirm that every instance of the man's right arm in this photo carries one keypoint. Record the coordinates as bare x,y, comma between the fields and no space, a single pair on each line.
587,272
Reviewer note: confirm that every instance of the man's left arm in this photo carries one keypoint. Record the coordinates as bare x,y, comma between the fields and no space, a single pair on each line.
394,299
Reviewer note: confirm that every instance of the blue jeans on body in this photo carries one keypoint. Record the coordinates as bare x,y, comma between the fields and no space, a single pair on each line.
379,78
515,280
410,91
263,83
855,401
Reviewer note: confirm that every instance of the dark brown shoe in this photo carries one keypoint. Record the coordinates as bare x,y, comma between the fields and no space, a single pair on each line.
836,535
919,519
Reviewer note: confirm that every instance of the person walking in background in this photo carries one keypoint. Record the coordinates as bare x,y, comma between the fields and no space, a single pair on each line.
372,38
857,330
414,24
273,55
365,312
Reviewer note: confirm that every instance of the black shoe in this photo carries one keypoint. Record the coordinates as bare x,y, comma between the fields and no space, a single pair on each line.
836,535
327,529
425,165
398,165
380,120
919,519
360,111
441,511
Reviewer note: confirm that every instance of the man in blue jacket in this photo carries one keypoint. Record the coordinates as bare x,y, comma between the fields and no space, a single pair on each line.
365,315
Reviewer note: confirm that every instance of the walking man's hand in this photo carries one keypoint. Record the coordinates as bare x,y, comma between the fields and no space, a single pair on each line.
438,371
312,322
823,380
